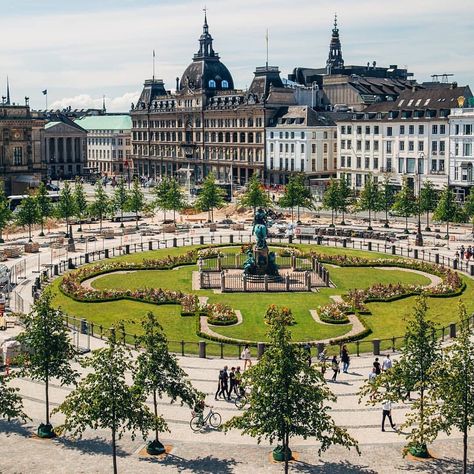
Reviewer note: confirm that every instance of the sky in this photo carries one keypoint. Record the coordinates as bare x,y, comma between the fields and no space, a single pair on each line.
82,50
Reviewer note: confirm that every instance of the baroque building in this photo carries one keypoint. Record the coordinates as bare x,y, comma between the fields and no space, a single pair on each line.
206,125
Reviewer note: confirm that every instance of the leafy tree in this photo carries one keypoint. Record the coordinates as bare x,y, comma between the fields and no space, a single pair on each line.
49,350
5,213
469,208
175,198
80,202
386,194
101,205
345,196
161,195
255,195
103,398
447,208
66,206
419,355
331,198
369,198
158,373
28,214
404,203
454,385
211,196
297,195
120,199
45,207
287,398
136,200
427,201
11,404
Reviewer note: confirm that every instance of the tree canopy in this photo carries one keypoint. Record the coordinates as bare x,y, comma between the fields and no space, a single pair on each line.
211,196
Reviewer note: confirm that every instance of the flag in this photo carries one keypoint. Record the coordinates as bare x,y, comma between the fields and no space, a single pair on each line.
45,92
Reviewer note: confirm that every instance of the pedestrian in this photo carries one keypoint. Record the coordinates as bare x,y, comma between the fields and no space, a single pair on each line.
246,356
456,255
322,361
238,382
377,366
461,252
387,363
335,368
231,381
222,387
387,413
372,377
307,348
345,359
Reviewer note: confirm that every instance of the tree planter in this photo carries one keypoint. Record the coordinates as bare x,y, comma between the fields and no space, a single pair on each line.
155,448
420,451
279,454
46,431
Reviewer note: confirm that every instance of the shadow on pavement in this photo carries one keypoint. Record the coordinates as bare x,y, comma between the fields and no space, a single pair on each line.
90,446
342,467
206,465
16,427
437,466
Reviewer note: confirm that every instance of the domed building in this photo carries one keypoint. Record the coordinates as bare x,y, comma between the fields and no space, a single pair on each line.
206,71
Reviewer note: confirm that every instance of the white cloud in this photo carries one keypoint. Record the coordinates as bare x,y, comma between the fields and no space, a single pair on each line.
85,101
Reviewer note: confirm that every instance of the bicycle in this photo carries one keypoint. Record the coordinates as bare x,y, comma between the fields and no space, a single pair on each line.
212,419
241,401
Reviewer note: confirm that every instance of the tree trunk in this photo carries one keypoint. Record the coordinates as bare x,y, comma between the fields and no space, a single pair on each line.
174,216
370,219
46,386
155,408
29,232
212,214
332,217
292,220
285,451
447,229
121,217
136,219
406,223
298,212
427,219
114,451
100,223
42,228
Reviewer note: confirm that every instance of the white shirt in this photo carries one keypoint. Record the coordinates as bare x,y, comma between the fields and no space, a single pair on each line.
387,405
387,364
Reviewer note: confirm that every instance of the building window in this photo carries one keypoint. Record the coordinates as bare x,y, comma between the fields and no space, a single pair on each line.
225,85
421,146
411,129
434,129
402,129
376,146
389,131
367,163
17,156
302,135
376,163
389,147
411,145
271,147
313,148
302,148
421,129
401,146
359,130
325,148
442,129
359,145
212,84
442,147
359,162
467,129
367,145
376,130
302,165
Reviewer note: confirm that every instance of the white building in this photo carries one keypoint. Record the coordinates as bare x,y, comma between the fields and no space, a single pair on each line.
301,140
408,137
108,144
461,150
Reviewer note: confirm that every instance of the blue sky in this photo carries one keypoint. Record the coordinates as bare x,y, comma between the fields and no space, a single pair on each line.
81,50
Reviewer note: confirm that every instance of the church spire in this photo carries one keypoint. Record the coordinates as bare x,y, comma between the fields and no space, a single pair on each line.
205,41
335,60
8,92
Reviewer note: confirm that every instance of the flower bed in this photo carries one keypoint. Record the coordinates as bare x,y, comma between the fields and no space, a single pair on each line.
221,314
335,313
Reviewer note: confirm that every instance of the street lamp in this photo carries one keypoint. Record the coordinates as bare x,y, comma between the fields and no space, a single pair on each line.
419,236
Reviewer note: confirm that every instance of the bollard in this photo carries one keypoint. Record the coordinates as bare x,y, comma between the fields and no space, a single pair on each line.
265,282
244,279
175,242
260,349
319,239
472,270
201,240
287,282
231,238
452,330
84,326
56,269
222,281
344,243
393,250
369,246
376,344
70,265
202,349
437,258
150,245
327,280
106,253
290,239
127,249
455,264
415,253
86,258
320,347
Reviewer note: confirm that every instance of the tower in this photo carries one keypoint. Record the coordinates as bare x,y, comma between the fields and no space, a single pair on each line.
205,41
8,92
335,60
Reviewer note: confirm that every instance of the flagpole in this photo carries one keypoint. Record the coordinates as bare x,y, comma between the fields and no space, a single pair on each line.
266,38
46,98
153,65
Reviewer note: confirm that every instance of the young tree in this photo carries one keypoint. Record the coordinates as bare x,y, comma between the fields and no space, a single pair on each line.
103,398
404,203
175,198
80,202
419,355
11,404
369,198
29,213
49,350
211,196
345,197
66,206
454,383
45,207
386,198
101,204
136,200
469,208
255,195
297,195
5,213
447,208
161,195
331,198
427,201
157,373
120,199
287,398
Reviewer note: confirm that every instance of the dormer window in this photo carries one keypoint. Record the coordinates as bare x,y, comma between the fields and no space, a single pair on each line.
225,85
212,84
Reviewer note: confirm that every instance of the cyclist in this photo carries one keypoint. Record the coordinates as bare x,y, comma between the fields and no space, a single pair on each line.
199,409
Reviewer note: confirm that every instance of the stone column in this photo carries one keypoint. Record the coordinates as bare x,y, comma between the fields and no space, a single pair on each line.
222,282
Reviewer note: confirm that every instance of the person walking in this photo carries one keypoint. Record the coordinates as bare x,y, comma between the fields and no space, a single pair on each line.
322,361
222,387
246,357
345,359
335,368
238,380
387,413
232,381
387,363
377,368
372,377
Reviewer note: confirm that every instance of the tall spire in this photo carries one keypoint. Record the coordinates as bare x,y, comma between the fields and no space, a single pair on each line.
205,41
103,104
8,92
335,60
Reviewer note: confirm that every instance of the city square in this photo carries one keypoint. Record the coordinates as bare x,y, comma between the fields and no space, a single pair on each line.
213,264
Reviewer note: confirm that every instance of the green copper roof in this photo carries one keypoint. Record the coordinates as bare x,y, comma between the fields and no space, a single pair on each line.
51,124
106,122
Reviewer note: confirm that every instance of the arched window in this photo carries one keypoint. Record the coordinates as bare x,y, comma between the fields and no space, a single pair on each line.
225,85
212,84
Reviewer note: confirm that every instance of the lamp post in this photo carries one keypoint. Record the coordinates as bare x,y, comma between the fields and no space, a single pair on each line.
419,235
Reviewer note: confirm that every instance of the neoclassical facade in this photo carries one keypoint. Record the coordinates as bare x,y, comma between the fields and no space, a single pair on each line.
206,125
